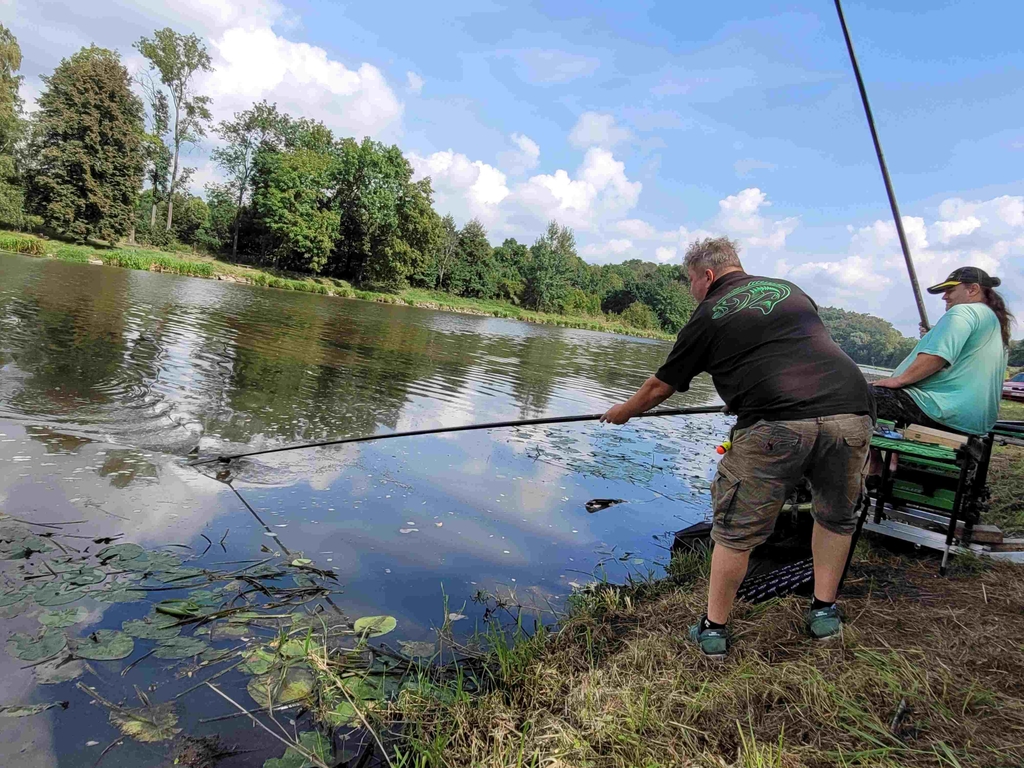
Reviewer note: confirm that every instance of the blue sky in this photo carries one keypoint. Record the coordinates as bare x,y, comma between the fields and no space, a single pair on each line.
644,125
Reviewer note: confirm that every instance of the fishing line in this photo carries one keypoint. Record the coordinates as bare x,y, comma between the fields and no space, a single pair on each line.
700,409
271,533
226,479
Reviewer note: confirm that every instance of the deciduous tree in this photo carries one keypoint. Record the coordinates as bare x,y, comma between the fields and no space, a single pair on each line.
11,128
293,199
473,271
447,248
179,58
87,147
260,127
373,190
511,259
551,269
158,154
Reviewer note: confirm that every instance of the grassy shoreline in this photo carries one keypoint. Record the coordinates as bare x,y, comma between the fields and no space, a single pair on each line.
196,265
928,672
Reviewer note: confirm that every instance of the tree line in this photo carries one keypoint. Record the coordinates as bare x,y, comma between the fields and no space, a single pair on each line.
99,161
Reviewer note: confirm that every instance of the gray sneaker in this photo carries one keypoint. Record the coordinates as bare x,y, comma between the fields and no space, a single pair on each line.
824,623
714,643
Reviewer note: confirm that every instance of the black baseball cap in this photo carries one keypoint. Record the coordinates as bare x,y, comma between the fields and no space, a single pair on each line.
966,275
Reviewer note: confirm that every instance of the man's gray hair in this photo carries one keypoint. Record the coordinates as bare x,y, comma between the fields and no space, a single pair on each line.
714,253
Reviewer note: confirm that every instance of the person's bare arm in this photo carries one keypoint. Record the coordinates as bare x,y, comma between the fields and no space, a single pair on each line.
653,392
924,365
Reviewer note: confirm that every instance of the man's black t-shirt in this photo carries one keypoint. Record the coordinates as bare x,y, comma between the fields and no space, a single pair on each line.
768,353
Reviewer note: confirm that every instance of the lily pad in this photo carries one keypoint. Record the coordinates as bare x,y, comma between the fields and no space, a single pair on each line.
83,577
223,630
301,562
23,547
151,561
10,598
215,655
313,743
50,595
364,688
275,688
63,618
180,648
341,714
16,710
375,626
14,603
120,553
326,624
179,607
147,724
47,643
180,573
258,662
118,594
104,645
205,598
59,670
293,649
156,627
416,649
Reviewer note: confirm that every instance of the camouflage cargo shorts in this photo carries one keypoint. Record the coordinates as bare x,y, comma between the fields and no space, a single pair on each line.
766,462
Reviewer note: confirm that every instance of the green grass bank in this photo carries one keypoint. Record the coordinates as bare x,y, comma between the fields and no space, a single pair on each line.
197,265
928,672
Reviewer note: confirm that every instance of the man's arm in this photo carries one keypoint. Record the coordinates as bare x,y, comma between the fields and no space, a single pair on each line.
924,365
653,392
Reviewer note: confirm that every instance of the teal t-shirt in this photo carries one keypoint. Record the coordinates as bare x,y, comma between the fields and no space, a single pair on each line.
965,394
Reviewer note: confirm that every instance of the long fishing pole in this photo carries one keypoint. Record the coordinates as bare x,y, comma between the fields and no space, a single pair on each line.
464,428
885,172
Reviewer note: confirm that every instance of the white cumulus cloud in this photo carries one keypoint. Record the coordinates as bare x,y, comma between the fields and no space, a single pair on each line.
594,129
740,216
664,253
616,249
872,276
525,157
463,187
256,63
637,228
949,230
415,82
222,14
600,190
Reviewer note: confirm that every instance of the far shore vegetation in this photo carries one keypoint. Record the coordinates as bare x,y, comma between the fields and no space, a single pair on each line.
857,333
298,207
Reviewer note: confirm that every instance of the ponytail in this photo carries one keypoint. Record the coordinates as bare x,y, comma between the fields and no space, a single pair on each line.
997,304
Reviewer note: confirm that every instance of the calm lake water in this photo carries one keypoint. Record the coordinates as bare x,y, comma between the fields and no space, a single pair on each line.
109,378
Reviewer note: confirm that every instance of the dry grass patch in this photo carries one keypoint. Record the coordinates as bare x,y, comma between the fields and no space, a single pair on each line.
1006,479
928,672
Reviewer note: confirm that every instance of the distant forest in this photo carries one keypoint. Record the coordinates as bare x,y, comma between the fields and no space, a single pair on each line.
96,161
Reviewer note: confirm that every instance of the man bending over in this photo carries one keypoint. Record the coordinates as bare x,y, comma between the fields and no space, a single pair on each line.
803,410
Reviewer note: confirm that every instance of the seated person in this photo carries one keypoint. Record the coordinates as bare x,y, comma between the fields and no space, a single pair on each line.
953,378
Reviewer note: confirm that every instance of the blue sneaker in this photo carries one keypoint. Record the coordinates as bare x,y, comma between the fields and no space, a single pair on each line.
824,623
714,643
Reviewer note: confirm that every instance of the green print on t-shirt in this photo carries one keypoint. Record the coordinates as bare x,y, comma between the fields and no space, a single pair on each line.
757,294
